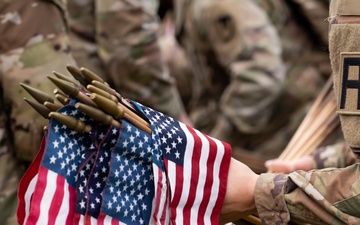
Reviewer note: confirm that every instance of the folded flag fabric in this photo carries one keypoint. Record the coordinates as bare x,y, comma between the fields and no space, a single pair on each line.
176,175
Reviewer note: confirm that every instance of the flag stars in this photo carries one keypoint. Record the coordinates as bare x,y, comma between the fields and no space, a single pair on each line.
101,136
52,160
73,112
103,169
56,144
73,167
137,133
140,196
128,128
179,139
126,213
81,189
177,154
125,144
72,156
60,155
133,217
56,128
167,149
82,204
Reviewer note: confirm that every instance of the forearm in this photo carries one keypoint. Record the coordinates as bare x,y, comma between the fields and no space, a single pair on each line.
319,197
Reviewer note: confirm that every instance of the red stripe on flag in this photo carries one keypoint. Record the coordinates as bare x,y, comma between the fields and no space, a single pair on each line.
25,181
177,191
38,196
208,181
72,202
57,200
223,176
194,177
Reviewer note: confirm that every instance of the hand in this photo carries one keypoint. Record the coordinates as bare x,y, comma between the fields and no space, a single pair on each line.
239,198
287,166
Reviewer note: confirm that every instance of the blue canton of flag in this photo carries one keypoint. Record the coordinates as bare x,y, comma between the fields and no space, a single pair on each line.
94,171
130,190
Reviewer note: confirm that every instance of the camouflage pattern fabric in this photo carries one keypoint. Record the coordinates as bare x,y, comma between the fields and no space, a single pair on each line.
327,196
338,156
216,79
119,40
33,44
302,28
237,71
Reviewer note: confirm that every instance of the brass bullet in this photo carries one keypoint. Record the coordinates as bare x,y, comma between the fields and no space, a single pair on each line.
52,106
61,98
40,108
76,73
101,92
90,76
107,105
39,96
67,78
97,114
71,90
70,122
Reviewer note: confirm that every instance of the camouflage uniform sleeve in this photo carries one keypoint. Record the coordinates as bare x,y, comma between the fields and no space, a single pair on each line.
253,57
131,54
327,196
338,155
33,43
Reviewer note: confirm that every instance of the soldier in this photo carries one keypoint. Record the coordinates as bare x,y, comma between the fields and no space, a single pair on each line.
33,43
210,102
119,40
237,71
328,196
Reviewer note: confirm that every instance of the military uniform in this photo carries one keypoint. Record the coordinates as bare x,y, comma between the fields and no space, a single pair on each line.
328,196
119,40
255,114
238,74
33,43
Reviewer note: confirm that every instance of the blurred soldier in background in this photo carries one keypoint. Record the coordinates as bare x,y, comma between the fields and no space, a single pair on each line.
33,43
119,40
237,72
302,30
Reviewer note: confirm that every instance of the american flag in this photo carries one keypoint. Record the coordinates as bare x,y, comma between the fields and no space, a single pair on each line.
176,175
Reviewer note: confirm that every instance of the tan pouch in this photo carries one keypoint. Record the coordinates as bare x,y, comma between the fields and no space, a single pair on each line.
344,46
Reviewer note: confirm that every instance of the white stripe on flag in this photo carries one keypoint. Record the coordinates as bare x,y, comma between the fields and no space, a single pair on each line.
48,195
64,208
28,194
